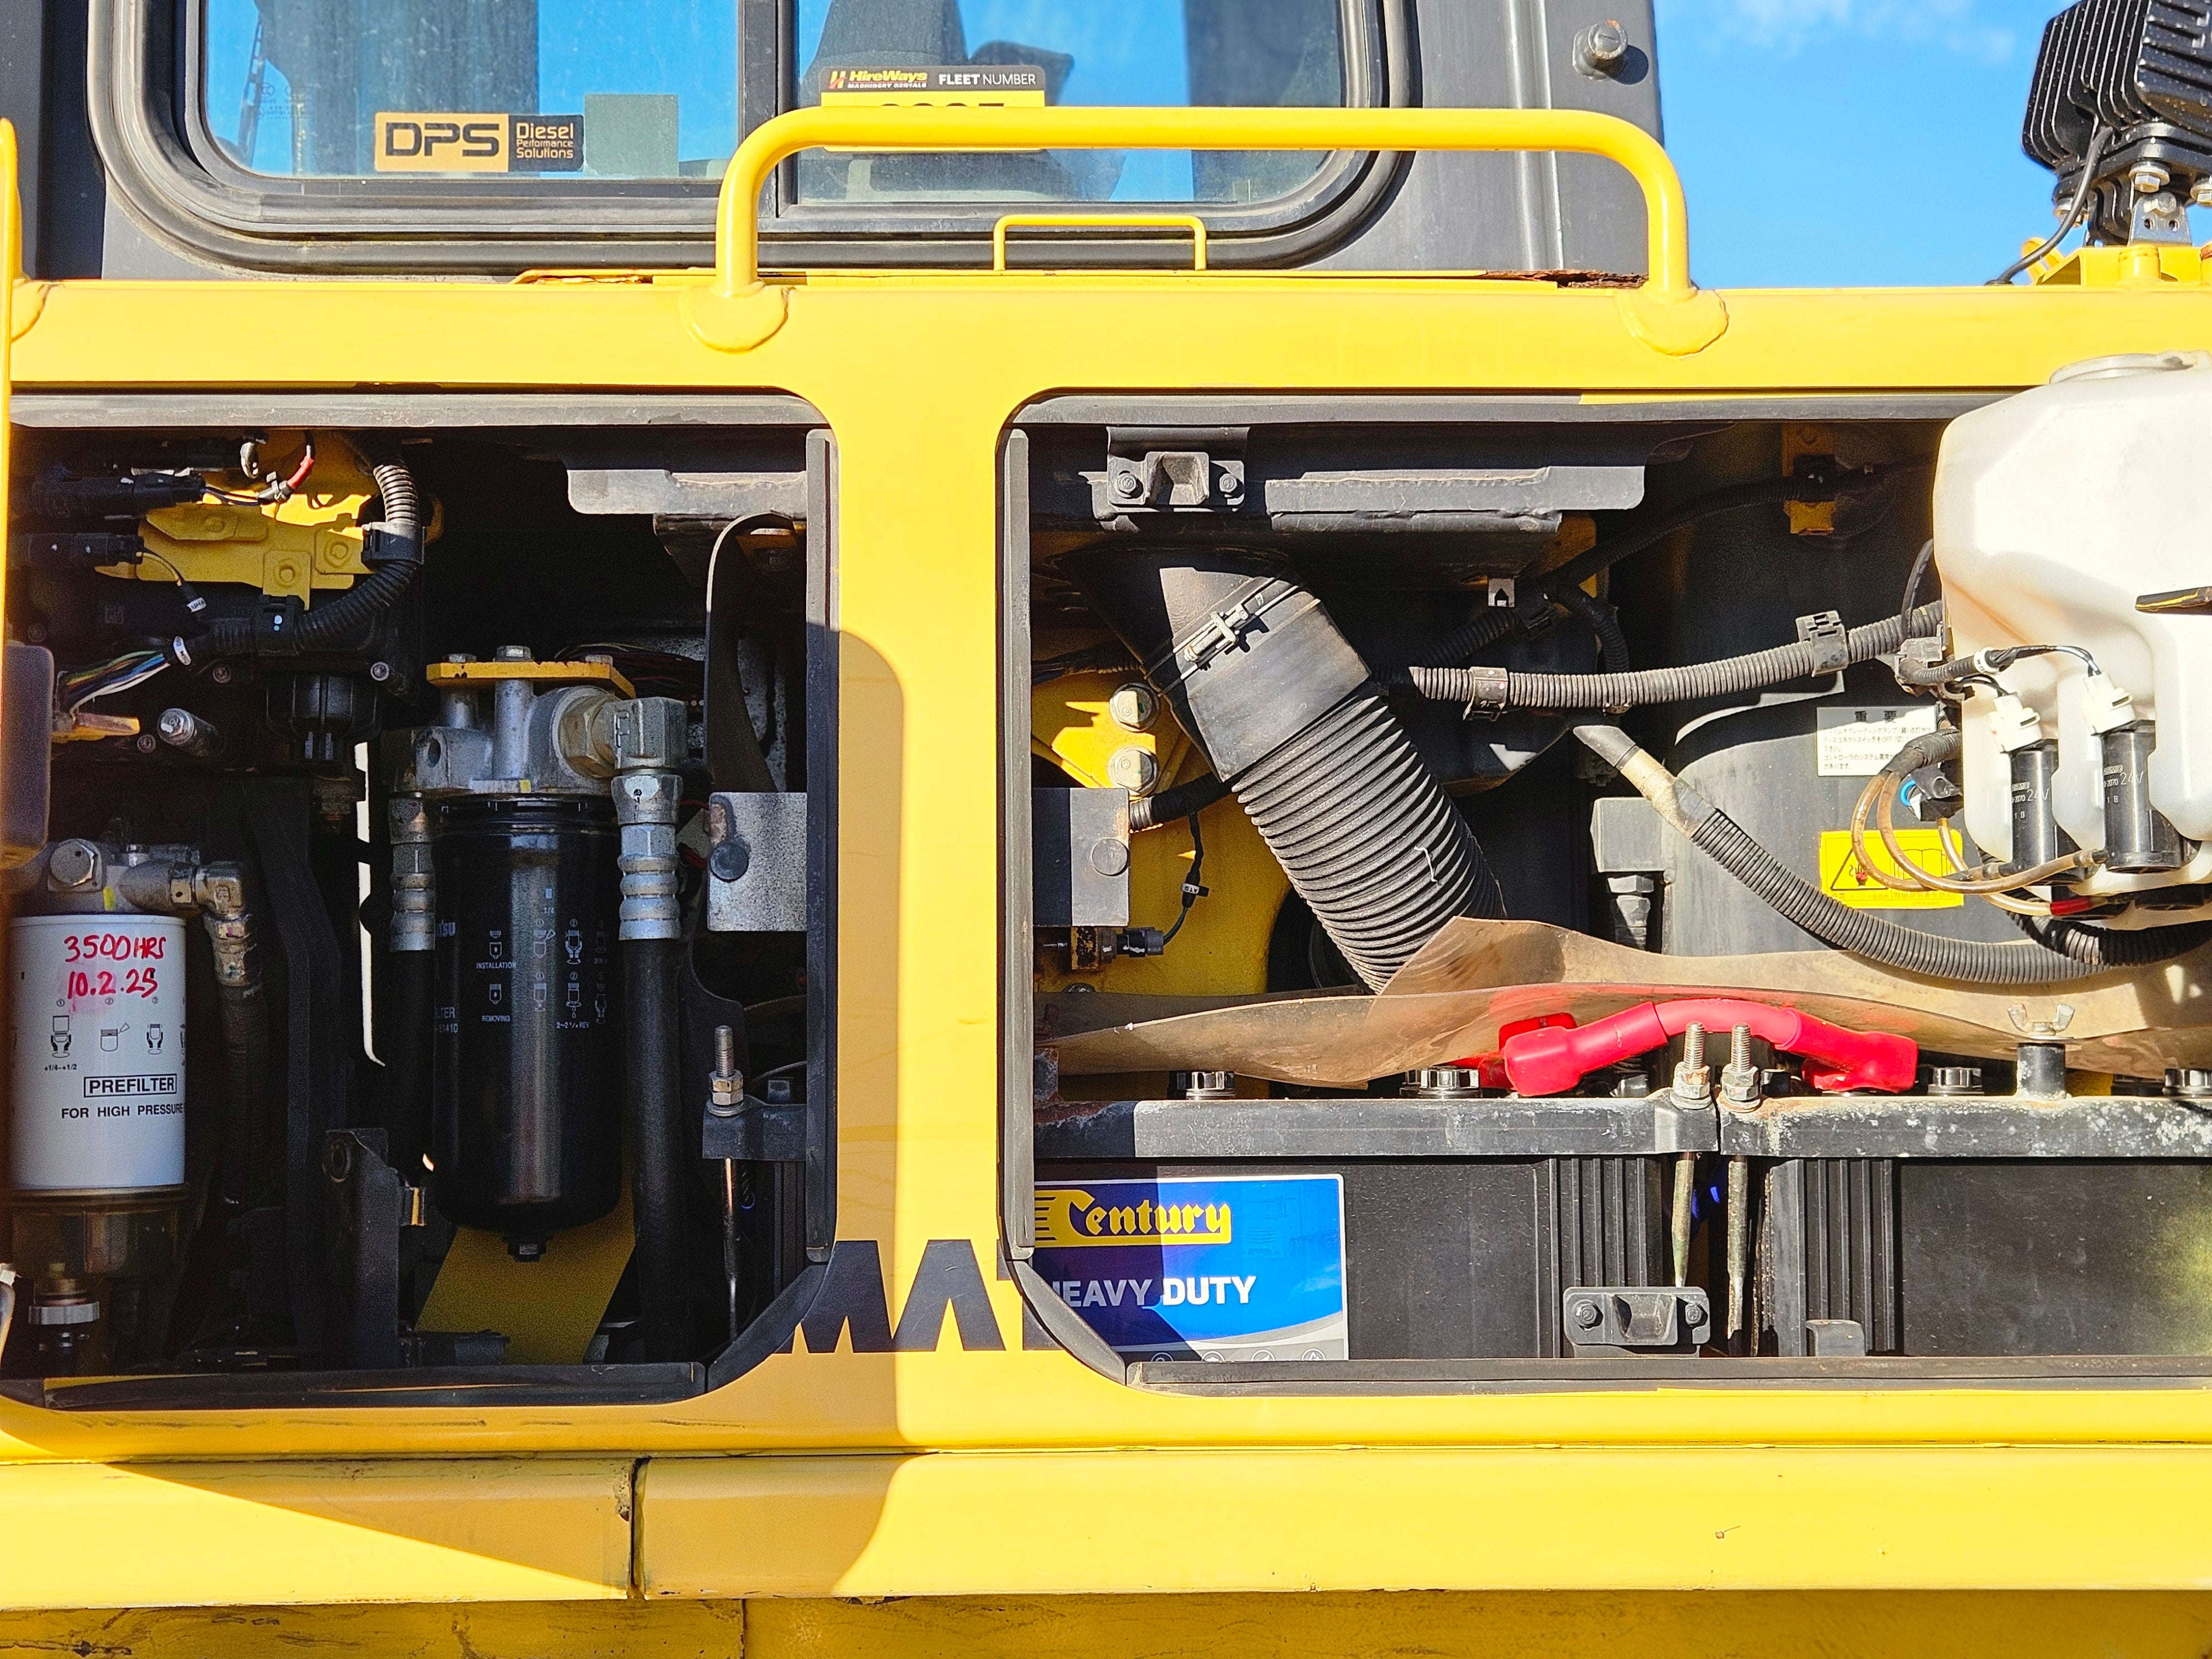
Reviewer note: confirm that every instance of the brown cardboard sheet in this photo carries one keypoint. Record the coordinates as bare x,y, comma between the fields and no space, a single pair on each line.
1474,977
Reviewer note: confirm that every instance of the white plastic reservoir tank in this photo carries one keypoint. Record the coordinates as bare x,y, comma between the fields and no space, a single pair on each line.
99,1064
2055,511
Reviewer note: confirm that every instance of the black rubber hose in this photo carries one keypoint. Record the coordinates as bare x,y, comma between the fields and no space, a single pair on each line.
1857,932
2102,948
344,619
1489,626
253,1160
1286,712
1174,805
406,1055
1566,693
1603,621
651,970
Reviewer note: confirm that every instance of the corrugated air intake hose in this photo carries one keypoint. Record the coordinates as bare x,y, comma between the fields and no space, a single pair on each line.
1285,709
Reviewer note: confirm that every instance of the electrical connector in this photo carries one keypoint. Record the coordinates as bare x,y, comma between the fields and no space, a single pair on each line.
2106,704
2014,724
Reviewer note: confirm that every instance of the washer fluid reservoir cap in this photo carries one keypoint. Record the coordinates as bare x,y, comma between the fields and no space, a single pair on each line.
2131,362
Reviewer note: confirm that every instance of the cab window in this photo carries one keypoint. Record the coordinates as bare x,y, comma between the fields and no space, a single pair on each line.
561,89
1153,52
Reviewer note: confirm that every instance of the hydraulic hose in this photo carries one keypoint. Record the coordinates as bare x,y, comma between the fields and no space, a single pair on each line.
342,621
651,971
253,1147
1488,627
248,1156
1712,831
406,1056
1500,689
1602,620
1173,805
1285,711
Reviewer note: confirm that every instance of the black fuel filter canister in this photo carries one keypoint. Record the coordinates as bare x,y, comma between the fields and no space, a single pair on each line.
525,1090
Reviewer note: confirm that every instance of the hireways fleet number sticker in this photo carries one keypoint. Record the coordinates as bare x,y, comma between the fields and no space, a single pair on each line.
1225,1268
1857,743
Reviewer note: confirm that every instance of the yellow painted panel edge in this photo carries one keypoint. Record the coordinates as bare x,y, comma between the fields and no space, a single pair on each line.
1523,1518
216,1535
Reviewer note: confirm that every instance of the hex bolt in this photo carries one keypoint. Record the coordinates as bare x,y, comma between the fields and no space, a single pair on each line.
1586,1315
2164,205
2201,192
1739,1077
2148,178
512,654
1127,485
726,1086
1133,706
1133,769
1693,1078
73,864
1693,1315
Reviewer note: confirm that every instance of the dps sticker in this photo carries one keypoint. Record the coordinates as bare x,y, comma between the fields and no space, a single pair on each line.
1228,1267
414,141
980,85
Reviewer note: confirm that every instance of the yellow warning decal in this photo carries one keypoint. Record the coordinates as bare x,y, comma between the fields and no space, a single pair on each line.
1843,880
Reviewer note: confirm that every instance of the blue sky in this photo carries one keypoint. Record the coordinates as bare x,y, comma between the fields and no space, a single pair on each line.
1822,142
1827,142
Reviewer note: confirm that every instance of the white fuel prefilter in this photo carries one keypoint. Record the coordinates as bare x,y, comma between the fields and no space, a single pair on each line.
99,1061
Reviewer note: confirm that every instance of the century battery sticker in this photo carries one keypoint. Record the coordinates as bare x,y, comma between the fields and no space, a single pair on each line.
980,85
443,141
1231,1268
1845,880
1858,742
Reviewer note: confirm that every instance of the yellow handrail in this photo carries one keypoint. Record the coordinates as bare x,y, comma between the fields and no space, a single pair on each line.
1189,221
735,311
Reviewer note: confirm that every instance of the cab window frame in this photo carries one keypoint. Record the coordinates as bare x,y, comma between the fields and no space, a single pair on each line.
150,125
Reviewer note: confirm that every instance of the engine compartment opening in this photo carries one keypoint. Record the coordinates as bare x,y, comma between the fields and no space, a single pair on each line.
1517,886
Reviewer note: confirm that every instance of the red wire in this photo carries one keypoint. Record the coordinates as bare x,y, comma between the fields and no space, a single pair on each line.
307,465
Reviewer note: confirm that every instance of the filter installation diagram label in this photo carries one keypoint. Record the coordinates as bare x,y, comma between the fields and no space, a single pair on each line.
1845,880
1230,1268
1857,743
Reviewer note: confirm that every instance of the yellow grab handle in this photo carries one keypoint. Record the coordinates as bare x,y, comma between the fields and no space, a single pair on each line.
736,310
1189,221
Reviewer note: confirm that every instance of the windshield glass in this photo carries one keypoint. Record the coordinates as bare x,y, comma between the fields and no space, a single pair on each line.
1173,52
647,90
557,88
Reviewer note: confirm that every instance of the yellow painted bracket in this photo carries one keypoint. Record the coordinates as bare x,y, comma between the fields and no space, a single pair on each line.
736,310
463,675
1189,221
